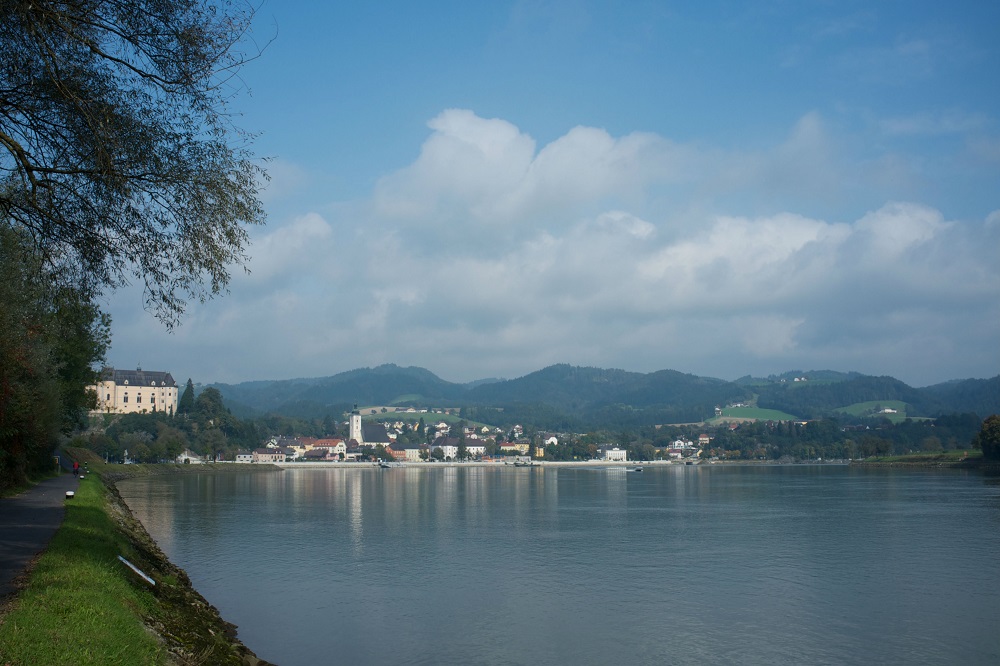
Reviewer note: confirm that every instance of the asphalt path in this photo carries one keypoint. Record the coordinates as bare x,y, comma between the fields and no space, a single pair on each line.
27,523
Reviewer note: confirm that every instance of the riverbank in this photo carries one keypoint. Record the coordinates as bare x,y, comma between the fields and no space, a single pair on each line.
80,604
970,460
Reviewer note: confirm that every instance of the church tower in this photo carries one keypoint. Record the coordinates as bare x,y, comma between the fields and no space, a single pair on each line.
355,426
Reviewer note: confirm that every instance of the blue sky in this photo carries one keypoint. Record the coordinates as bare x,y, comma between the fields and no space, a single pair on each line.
721,188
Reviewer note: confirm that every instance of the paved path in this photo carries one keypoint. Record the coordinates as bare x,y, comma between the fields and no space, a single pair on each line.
27,523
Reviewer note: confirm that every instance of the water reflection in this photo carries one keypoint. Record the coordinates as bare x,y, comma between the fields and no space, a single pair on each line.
455,564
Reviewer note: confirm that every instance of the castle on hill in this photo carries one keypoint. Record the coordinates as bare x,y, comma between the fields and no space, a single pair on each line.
135,392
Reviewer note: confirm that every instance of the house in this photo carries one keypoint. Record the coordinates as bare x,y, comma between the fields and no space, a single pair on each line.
518,447
448,447
318,454
614,454
356,452
337,448
475,450
409,452
266,455
244,457
135,392
704,440
189,457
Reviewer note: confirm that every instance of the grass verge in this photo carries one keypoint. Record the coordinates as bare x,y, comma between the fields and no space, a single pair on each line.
962,458
81,605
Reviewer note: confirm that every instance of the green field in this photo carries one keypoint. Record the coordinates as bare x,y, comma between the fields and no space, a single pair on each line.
757,413
873,407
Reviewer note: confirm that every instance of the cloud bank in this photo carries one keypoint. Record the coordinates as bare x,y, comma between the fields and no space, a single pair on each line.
491,255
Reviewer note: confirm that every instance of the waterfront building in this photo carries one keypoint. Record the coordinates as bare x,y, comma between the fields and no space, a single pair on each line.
266,455
614,454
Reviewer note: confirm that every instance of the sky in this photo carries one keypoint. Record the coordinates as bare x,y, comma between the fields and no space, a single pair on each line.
484,189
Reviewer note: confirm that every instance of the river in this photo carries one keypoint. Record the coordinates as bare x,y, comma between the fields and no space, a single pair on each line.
822,564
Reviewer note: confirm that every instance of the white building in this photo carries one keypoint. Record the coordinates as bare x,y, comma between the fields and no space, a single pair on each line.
450,452
355,426
135,391
614,454
189,457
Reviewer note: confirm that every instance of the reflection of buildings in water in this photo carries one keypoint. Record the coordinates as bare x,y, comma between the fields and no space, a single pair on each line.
355,516
474,495
617,485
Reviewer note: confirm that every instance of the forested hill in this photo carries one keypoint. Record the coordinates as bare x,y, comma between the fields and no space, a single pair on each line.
571,396
813,399
383,385
573,389
980,396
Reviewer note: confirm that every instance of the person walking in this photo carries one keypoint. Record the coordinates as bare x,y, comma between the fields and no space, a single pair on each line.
76,468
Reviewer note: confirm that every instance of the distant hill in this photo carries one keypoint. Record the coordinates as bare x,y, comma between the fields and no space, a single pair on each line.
382,385
816,399
566,397
825,376
604,398
979,396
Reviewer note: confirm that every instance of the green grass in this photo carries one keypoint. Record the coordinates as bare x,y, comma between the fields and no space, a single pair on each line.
934,457
757,413
868,408
872,409
81,605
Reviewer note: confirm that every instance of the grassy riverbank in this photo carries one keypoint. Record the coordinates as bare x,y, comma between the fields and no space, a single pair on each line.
960,459
82,605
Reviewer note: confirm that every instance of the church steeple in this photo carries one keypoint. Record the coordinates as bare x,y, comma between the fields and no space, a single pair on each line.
355,432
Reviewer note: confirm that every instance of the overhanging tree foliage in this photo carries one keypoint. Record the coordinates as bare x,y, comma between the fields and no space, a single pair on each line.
119,163
117,151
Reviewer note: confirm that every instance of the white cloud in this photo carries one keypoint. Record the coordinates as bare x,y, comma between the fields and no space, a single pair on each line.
466,161
304,242
488,256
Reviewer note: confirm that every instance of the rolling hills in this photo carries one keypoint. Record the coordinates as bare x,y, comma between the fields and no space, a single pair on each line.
564,396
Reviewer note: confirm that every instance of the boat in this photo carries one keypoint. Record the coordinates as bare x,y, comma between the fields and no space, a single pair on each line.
635,469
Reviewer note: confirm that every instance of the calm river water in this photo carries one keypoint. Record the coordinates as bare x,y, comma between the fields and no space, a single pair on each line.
590,565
